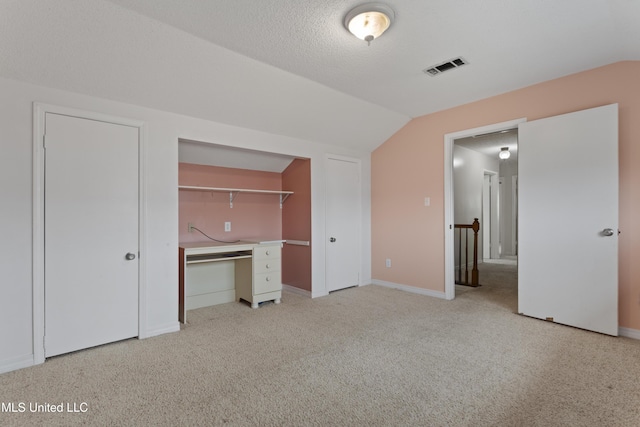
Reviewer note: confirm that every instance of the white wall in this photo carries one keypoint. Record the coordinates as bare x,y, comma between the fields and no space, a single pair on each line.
468,173
164,129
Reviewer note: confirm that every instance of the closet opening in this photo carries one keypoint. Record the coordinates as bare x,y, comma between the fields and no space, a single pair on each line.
230,195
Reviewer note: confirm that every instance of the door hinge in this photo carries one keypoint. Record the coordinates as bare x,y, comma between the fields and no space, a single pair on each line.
44,141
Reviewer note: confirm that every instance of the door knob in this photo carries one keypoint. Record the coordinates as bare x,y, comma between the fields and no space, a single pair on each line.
332,239
607,232
130,256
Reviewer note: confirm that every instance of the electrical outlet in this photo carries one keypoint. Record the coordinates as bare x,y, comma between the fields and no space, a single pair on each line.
227,226
191,227
388,262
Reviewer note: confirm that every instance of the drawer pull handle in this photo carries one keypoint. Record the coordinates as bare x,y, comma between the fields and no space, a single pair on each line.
268,279
267,266
268,253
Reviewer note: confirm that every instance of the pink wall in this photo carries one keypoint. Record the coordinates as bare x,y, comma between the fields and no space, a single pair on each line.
410,166
253,216
296,224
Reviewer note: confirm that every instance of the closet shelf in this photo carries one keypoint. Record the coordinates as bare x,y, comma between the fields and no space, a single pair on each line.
233,192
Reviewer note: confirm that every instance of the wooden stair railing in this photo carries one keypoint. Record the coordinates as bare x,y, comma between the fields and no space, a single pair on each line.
464,229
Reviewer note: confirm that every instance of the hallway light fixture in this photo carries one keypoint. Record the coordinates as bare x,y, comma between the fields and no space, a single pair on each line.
368,21
504,153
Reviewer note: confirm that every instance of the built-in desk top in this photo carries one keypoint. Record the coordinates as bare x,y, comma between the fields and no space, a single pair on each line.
217,247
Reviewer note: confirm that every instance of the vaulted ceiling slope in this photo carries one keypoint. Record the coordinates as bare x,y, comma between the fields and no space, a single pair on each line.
289,67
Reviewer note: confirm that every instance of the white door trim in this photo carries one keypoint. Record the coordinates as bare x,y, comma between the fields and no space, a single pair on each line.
449,138
39,112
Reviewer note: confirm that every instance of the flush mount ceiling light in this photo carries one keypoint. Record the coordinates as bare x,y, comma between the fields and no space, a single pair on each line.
504,153
368,21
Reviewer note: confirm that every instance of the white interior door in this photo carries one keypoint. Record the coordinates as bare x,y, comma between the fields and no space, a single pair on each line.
514,215
490,223
568,219
495,216
343,224
91,233
486,217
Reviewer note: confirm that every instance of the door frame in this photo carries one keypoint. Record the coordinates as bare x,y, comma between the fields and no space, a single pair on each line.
449,138
38,178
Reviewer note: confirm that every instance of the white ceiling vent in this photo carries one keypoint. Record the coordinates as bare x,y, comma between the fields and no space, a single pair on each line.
445,66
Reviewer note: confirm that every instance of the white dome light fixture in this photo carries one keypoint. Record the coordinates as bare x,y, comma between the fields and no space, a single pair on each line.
504,153
368,21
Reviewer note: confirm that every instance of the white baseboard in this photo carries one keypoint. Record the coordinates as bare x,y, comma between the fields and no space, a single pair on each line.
16,363
629,333
411,289
162,329
297,291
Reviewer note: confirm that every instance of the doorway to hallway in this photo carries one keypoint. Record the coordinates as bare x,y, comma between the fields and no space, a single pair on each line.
479,184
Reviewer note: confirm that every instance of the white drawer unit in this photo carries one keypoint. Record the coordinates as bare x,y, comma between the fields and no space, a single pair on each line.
259,279
211,274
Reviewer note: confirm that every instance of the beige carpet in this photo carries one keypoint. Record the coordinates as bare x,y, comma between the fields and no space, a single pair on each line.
368,356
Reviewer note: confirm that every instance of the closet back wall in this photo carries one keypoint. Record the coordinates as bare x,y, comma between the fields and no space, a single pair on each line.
253,216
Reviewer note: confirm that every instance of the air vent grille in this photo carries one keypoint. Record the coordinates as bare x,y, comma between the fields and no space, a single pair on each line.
445,66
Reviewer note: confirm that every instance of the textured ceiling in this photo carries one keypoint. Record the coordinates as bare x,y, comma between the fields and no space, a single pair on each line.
288,67
509,43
